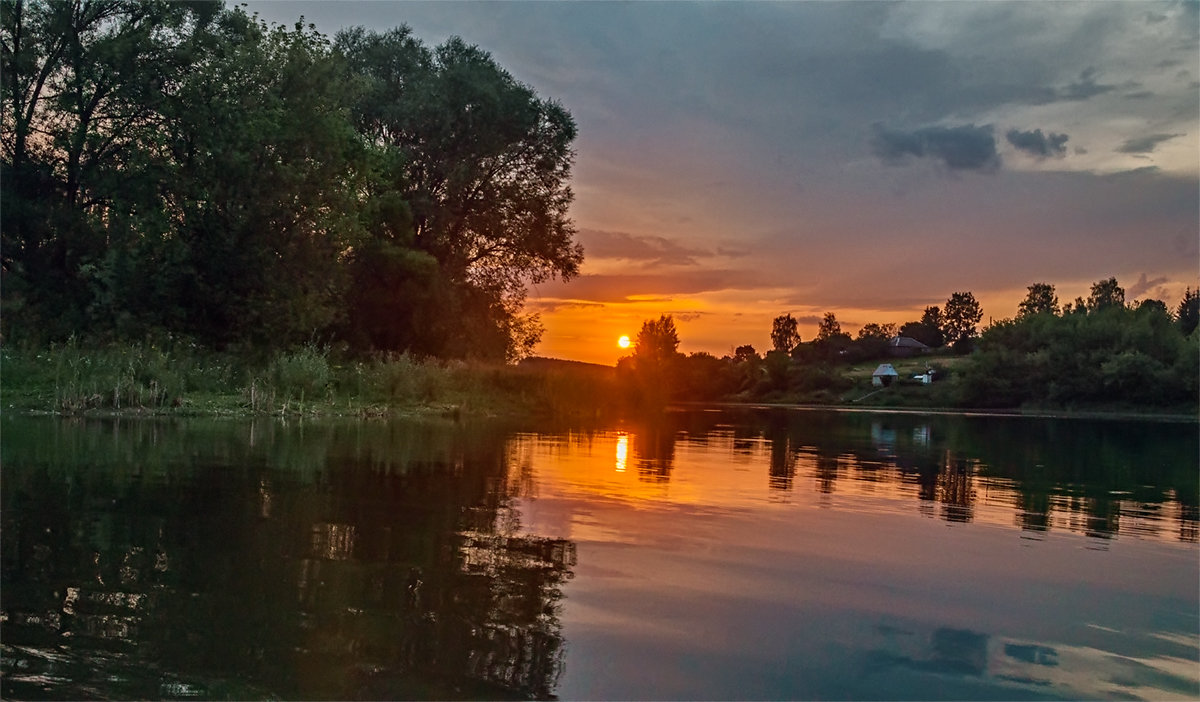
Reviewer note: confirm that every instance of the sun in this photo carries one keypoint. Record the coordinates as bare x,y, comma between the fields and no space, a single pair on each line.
623,342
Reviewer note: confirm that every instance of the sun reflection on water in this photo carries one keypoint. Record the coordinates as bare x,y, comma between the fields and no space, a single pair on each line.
622,451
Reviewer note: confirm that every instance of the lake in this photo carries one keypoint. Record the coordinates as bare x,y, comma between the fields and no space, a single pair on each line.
752,554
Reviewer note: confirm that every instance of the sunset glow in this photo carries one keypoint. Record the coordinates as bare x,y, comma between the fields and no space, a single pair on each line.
623,342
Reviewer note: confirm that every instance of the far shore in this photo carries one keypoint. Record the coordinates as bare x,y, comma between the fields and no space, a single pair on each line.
1140,415
230,409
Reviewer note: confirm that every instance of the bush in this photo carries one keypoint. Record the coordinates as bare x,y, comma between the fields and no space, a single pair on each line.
301,374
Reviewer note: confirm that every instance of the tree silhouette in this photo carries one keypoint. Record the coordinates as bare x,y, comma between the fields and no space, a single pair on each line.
961,315
828,328
1187,314
1041,299
1105,294
784,333
657,340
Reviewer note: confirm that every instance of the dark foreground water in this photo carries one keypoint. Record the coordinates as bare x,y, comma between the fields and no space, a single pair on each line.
779,555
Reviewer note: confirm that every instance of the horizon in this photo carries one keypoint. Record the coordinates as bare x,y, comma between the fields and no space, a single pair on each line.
740,161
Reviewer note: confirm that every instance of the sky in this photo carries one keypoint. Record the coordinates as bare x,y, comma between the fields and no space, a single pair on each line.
741,160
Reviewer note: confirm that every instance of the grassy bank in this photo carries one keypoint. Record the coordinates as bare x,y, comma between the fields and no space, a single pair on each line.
72,379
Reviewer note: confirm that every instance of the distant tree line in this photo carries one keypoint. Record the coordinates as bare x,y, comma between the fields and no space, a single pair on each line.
186,168
1098,351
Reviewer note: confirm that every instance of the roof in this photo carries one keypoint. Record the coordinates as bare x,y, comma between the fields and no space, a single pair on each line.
885,369
906,342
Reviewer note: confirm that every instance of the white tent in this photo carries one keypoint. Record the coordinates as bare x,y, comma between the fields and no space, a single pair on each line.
884,375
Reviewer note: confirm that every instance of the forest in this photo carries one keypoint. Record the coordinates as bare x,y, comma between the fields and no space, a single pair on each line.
187,171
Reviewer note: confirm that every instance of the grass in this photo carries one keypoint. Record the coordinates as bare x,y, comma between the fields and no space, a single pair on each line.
146,378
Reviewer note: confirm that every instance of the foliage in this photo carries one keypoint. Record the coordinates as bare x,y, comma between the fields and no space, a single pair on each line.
960,317
1105,293
928,330
188,168
828,328
656,341
1187,313
1041,299
784,333
1110,354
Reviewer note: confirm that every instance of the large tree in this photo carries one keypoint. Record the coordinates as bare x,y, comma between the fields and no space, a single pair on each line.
785,333
960,317
483,165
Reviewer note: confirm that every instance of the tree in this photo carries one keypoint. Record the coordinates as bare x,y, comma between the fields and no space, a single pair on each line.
483,163
784,333
745,354
928,330
828,328
1187,314
872,330
960,317
1041,299
81,141
657,340
1105,294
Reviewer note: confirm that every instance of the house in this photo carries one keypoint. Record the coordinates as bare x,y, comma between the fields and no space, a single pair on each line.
884,375
904,346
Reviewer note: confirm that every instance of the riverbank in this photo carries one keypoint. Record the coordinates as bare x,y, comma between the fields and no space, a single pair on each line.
1033,413
153,380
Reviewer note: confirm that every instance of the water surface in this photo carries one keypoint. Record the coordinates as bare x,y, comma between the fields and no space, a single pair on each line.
704,555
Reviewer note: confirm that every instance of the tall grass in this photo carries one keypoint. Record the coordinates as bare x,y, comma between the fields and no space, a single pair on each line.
71,378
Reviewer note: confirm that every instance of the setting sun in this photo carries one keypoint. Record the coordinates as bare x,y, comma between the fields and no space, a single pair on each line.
623,342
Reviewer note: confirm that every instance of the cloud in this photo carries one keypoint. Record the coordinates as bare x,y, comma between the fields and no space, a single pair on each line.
1146,144
1086,87
643,287
1037,143
1143,285
652,250
965,147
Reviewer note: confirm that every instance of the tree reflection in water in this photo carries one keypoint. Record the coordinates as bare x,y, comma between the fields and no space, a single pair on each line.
1098,478
394,567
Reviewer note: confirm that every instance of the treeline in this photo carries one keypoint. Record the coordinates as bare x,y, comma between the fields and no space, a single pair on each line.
1095,351
1099,352
187,170
793,370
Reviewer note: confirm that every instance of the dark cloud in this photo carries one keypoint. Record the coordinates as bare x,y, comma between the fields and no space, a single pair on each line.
966,147
1143,285
1086,87
1146,144
1037,143
641,286
652,250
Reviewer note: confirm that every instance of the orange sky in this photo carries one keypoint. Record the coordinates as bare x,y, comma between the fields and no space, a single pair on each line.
718,322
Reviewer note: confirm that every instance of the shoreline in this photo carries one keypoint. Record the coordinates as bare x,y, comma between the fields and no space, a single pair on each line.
1115,415
453,411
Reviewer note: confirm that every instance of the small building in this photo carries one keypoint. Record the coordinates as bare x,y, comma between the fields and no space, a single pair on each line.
904,346
926,378
884,375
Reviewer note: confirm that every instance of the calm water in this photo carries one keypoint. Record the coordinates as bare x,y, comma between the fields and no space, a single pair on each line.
779,555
